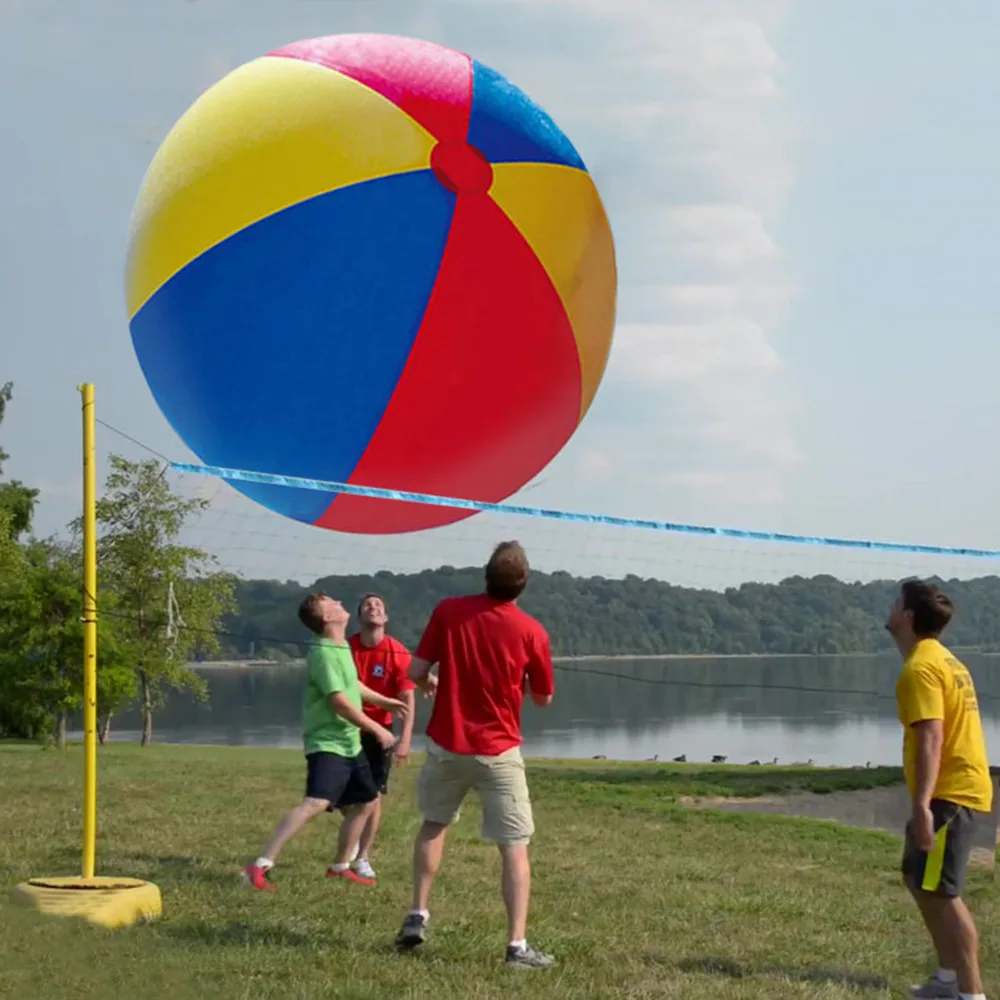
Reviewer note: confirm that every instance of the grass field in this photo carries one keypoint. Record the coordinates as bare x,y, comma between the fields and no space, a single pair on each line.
636,895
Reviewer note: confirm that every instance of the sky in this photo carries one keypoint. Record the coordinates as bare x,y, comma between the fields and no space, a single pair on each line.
802,201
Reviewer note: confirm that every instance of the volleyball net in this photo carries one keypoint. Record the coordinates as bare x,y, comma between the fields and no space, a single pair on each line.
604,585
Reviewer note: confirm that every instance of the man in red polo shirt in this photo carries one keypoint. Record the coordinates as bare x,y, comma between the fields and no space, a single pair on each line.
383,664
488,651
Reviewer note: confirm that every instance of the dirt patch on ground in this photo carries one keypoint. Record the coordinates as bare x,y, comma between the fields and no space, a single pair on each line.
714,801
871,808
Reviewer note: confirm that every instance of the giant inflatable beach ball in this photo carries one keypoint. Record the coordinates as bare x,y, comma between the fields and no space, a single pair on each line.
371,260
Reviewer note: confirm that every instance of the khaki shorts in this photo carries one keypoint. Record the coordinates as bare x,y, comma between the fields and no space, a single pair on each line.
446,778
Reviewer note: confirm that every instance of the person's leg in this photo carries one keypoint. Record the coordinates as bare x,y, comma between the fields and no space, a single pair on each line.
508,821
293,821
366,839
321,786
935,880
516,885
355,803
380,762
428,850
355,818
955,937
441,788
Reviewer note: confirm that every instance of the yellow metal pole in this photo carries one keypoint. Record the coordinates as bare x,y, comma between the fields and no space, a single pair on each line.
89,635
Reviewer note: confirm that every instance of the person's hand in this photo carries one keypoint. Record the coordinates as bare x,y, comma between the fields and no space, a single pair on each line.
922,827
428,686
385,738
402,752
398,707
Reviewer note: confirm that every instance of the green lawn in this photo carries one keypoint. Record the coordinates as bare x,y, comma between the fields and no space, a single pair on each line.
637,895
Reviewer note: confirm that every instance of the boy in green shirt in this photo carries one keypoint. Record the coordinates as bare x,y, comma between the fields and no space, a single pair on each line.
338,775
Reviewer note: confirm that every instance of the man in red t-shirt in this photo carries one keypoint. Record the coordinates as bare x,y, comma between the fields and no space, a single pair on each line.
383,664
488,652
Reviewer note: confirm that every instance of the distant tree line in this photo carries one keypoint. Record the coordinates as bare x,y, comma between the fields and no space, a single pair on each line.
636,616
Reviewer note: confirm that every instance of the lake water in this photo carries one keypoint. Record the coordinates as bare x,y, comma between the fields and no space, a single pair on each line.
834,710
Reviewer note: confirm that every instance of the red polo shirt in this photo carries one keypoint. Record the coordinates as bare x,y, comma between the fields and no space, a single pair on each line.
485,650
383,668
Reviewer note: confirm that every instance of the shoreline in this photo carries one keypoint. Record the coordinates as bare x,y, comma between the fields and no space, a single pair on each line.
587,658
616,658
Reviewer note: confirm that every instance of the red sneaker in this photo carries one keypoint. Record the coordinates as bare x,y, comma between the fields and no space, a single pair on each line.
350,875
259,878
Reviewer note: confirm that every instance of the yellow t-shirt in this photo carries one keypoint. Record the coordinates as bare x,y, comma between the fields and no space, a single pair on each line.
935,685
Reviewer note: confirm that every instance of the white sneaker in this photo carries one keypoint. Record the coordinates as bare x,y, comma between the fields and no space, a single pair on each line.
934,989
362,867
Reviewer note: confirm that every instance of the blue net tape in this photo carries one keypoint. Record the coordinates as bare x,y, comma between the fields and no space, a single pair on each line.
574,516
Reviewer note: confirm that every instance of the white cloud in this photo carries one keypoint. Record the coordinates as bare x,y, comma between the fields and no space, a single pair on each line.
685,353
727,237
702,165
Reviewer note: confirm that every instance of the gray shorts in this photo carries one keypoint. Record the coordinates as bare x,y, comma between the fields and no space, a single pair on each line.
941,870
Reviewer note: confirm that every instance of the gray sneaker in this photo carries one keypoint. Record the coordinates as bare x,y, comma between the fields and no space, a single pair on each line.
528,958
935,989
413,931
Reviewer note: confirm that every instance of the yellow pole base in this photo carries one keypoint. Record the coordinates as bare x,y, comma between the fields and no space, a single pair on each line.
107,902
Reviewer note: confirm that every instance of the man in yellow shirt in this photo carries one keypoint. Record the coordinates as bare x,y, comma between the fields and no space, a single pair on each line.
948,777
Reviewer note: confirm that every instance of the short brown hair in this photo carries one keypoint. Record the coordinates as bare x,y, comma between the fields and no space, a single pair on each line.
507,572
309,613
364,597
931,607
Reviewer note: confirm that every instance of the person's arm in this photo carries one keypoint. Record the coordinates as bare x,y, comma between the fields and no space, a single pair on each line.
403,749
930,736
343,708
921,709
331,676
427,654
380,700
420,672
539,675
405,689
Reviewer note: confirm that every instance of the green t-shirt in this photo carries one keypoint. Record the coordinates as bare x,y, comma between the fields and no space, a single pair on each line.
330,668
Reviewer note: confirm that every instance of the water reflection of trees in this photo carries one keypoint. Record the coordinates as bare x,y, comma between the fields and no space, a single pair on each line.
800,691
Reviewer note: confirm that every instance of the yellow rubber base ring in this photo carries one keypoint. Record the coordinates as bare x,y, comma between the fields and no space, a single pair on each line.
106,902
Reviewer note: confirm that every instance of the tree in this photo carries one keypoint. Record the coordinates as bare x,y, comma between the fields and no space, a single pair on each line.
16,500
41,643
166,600
43,663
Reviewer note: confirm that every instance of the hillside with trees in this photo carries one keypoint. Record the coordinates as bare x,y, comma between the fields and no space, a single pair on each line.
165,606
598,616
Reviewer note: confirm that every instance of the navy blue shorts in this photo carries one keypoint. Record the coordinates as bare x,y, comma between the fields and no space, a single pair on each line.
379,760
342,781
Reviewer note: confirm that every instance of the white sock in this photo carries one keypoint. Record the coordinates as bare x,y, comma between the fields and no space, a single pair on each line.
946,976
264,863
518,945
421,913
339,867
972,996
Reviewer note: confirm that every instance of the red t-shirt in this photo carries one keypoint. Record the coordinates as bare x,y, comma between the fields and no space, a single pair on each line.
383,668
485,650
